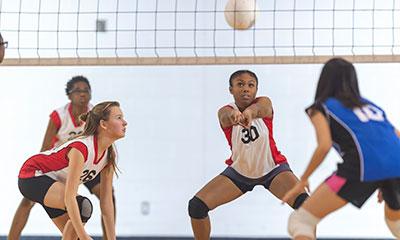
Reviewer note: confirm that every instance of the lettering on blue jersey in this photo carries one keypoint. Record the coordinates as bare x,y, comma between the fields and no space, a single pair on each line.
369,112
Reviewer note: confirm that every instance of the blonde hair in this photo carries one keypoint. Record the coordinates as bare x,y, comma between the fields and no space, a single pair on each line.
92,122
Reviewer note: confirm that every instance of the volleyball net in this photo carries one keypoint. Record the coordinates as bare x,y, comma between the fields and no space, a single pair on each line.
163,32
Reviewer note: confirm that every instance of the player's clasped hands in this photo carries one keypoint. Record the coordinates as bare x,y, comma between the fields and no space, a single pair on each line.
241,118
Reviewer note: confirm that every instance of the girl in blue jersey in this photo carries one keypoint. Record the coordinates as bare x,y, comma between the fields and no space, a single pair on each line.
368,143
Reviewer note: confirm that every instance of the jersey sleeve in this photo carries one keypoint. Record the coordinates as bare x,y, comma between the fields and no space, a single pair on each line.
81,148
55,118
315,107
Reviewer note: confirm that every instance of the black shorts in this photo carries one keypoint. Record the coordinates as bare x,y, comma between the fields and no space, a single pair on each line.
35,189
92,183
357,192
246,184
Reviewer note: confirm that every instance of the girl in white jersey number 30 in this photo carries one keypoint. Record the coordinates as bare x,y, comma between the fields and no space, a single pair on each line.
255,159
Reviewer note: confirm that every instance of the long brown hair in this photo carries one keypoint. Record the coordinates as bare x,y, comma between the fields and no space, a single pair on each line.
92,121
338,79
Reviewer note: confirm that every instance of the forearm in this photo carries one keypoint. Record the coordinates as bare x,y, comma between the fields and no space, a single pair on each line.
228,116
46,145
107,212
225,117
261,108
73,213
316,160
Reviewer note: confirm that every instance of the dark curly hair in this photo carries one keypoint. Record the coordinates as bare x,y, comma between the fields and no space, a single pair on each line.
75,79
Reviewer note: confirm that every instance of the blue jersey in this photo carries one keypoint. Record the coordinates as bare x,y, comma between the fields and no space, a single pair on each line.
365,139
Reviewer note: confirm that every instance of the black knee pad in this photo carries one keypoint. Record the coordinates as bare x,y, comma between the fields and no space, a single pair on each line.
299,200
85,208
197,208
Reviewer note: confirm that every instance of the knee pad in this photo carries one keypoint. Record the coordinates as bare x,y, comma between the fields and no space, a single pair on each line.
299,200
302,223
394,227
197,208
85,208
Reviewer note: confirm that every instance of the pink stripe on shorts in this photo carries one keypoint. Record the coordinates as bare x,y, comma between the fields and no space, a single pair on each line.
335,182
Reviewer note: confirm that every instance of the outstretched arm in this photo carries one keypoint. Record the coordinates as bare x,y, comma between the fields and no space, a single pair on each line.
228,116
260,108
75,166
324,141
51,132
324,144
106,201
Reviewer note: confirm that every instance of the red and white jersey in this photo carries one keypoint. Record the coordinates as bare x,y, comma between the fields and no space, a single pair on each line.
254,152
54,162
67,126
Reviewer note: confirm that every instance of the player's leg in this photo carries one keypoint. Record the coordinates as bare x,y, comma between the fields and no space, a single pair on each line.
391,194
302,222
54,204
54,200
282,181
218,191
69,231
20,218
50,194
392,219
94,187
331,195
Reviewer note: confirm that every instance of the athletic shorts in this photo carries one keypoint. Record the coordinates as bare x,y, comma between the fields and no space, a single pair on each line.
357,192
35,189
246,184
92,183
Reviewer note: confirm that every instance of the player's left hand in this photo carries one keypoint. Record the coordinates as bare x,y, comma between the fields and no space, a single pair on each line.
247,118
296,190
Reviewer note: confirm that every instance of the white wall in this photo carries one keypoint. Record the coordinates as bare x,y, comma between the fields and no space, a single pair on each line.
174,144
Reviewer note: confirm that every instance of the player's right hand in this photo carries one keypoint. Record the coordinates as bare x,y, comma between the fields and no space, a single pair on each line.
236,117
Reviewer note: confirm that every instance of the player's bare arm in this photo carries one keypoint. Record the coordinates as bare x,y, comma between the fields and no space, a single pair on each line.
229,116
262,107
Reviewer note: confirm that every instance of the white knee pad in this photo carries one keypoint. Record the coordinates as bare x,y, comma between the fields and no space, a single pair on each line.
394,227
302,223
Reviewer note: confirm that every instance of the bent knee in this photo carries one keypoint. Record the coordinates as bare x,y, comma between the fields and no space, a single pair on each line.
300,200
302,223
197,208
85,208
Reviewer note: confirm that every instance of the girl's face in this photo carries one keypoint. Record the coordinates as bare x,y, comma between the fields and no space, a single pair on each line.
244,90
115,126
80,94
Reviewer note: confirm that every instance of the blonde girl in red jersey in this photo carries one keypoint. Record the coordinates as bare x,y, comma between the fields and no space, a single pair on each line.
52,178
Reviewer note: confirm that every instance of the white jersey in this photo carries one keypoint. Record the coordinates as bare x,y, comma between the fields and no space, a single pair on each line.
67,126
254,152
54,163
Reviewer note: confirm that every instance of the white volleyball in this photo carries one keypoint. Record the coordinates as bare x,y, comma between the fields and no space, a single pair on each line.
240,14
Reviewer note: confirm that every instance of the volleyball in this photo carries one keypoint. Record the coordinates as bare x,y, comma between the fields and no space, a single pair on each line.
240,14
